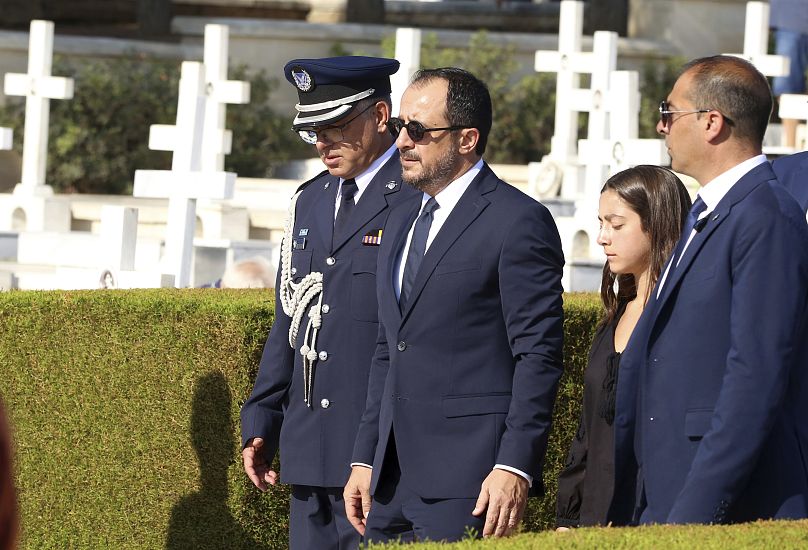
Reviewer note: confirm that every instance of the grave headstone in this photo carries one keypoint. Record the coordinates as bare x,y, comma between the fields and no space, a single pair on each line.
38,87
186,181
408,53
756,42
217,140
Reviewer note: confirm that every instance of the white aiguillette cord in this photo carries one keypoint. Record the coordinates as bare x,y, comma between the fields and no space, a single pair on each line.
295,298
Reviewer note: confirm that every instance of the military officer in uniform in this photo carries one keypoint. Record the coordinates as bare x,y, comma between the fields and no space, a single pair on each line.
310,390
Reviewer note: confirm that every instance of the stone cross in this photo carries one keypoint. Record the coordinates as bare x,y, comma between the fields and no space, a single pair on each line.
217,141
38,87
6,139
622,149
408,53
186,181
568,63
756,42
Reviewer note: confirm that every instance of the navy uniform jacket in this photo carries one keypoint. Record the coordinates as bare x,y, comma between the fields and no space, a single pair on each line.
316,442
712,396
792,172
467,376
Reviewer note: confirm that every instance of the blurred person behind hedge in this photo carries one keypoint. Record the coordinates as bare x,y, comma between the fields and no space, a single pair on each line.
8,497
641,213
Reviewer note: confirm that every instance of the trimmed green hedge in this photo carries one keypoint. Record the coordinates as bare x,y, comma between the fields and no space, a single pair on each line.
125,411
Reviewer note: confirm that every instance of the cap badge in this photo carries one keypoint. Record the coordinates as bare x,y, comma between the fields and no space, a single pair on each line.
303,79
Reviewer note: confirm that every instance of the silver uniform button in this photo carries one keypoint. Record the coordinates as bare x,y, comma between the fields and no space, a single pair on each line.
326,308
323,355
330,260
325,403
402,345
294,271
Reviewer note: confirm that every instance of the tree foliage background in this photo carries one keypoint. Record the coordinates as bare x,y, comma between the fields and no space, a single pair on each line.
99,138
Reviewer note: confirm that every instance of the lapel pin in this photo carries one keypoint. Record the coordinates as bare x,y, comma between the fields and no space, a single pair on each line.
326,185
303,232
391,184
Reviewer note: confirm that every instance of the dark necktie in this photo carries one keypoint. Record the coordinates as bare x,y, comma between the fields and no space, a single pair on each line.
346,205
417,249
692,218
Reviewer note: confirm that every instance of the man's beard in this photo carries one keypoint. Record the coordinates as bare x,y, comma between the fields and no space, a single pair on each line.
436,175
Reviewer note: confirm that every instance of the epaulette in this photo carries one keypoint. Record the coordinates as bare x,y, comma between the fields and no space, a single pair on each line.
307,183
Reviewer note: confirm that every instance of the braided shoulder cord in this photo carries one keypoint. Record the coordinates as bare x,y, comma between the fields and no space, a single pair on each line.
295,298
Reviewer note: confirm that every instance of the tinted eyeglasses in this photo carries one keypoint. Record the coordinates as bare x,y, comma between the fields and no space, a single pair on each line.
665,113
415,129
329,134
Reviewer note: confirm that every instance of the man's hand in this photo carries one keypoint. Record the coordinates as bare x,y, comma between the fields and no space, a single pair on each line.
256,466
357,497
504,494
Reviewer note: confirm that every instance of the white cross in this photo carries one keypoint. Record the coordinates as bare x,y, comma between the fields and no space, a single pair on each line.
408,53
568,63
756,42
217,141
6,139
622,149
186,182
38,87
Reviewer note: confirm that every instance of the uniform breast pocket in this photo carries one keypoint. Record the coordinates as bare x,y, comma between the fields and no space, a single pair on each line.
301,264
364,306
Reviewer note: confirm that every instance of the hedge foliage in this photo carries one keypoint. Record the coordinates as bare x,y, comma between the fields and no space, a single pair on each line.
125,409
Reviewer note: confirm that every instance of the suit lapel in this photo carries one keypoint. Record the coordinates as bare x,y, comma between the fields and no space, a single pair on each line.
373,200
323,210
399,227
757,176
468,208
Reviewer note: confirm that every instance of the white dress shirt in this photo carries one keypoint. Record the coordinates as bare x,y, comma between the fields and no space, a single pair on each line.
364,179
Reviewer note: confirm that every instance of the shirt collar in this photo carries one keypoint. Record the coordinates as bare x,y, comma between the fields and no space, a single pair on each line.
712,192
364,179
450,195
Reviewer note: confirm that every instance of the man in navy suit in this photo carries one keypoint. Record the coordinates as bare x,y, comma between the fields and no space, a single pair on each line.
792,172
310,391
469,355
713,388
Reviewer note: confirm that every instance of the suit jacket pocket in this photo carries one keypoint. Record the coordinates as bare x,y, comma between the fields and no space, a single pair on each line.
364,306
455,267
469,405
697,422
301,264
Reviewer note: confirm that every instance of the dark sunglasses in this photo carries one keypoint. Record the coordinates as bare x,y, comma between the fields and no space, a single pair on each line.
665,113
415,129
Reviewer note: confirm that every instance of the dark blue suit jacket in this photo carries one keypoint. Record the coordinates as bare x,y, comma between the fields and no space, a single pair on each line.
316,443
466,377
712,396
792,172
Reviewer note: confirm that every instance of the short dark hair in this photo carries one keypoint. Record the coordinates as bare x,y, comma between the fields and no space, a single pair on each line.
662,202
736,89
468,102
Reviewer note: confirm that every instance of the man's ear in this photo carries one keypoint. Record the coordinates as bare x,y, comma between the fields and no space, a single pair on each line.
382,114
714,125
469,137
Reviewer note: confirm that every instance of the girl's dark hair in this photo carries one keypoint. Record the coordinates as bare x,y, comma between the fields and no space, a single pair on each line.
662,202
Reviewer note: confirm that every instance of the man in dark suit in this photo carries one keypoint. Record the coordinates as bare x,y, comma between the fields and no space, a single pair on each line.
469,356
310,391
713,386
792,172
